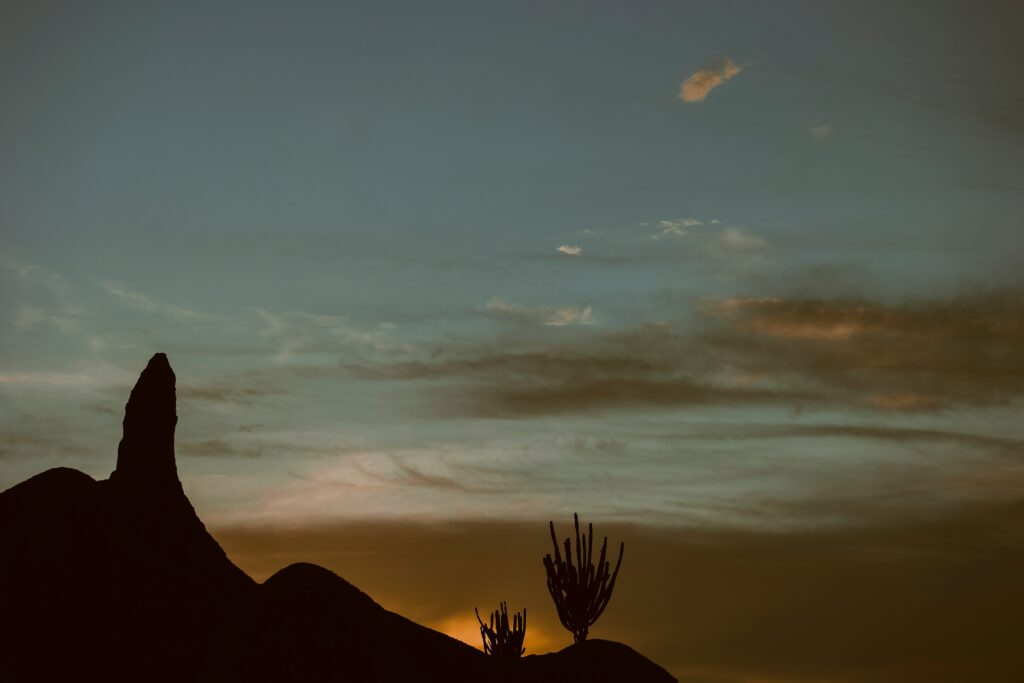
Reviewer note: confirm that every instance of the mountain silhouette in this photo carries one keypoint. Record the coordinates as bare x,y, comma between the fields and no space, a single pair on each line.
119,580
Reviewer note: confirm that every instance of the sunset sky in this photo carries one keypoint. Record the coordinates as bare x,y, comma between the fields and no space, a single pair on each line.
739,282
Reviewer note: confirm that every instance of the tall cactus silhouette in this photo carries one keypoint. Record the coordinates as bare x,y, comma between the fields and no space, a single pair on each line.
580,591
499,639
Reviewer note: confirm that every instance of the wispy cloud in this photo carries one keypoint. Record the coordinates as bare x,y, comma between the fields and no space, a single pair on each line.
729,248
738,239
699,84
238,394
218,447
421,482
554,316
51,302
820,131
30,317
297,334
33,274
141,302
92,379
407,474
677,227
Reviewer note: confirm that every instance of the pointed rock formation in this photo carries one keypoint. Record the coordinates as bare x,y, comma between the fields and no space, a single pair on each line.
145,456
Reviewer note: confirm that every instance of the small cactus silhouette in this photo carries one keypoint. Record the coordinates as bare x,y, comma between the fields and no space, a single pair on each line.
499,639
580,591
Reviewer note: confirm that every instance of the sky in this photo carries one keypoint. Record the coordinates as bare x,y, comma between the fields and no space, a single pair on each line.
739,282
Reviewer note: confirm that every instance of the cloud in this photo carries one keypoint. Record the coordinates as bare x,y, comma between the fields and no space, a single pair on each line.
905,401
340,480
803,353
386,471
917,355
35,275
739,240
409,475
91,379
28,444
217,447
933,459
566,315
723,249
228,394
971,442
141,302
735,249
700,243
53,302
698,85
30,317
820,131
650,366
585,395
558,316
678,227
317,336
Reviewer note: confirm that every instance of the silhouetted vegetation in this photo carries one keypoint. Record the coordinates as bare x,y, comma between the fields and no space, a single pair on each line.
580,591
499,639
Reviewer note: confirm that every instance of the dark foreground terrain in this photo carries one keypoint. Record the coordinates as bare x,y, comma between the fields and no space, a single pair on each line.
119,580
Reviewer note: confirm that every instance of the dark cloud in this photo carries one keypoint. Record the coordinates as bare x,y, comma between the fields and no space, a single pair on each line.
856,431
581,394
911,356
400,470
218,447
908,599
583,444
100,407
33,444
918,356
240,395
411,475
649,366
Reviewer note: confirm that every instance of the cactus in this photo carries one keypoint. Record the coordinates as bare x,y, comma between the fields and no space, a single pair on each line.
499,639
580,591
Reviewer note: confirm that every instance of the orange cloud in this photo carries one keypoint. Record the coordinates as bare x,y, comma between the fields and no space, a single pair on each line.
698,85
814,320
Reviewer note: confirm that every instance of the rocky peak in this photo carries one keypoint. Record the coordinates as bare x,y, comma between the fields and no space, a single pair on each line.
145,455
